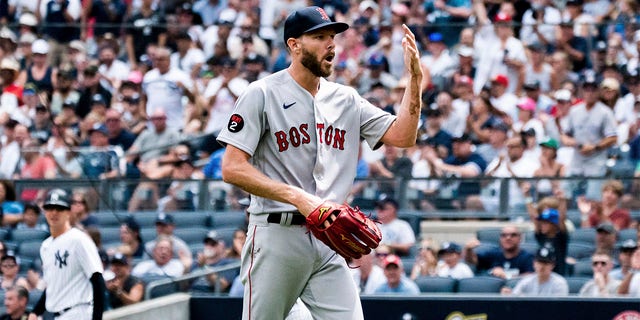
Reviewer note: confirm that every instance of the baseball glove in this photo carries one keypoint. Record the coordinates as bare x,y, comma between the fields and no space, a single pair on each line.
344,229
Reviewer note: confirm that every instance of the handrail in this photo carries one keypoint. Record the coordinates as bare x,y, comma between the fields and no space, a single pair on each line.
191,276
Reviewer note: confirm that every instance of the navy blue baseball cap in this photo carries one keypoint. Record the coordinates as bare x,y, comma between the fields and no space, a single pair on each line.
57,198
309,19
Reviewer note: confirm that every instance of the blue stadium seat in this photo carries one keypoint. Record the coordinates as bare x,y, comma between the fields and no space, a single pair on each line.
19,235
489,235
228,219
191,234
110,218
407,264
34,297
436,284
110,234
626,234
582,268
145,218
29,249
580,250
148,233
584,235
162,290
191,219
4,234
413,218
480,284
575,217
531,247
25,264
576,283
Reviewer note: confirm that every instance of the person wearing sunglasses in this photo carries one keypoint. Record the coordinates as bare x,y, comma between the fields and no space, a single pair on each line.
602,284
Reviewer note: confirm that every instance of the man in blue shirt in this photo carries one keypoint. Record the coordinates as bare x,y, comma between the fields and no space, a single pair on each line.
397,282
508,261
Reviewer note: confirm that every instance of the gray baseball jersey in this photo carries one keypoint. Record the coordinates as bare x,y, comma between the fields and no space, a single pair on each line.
68,262
301,140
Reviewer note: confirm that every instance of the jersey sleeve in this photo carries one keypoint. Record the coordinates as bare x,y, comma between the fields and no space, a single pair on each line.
88,256
246,124
374,122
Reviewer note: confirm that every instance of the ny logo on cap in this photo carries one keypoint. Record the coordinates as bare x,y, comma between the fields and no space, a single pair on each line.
323,14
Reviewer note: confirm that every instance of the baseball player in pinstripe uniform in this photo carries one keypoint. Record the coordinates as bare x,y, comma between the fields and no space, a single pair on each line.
292,142
71,267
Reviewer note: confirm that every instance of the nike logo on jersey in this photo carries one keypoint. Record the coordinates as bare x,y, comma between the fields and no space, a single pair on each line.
287,106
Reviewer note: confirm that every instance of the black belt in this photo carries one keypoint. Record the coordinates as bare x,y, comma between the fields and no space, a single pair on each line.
59,313
297,219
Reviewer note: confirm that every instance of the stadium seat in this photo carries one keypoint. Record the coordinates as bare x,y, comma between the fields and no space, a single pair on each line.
626,234
579,250
148,233
413,218
110,218
489,235
436,284
191,219
407,264
228,219
19,235
29,249
25,264
4,234
162,290
145,218
110,234
34,297
480,284
575,217
191,234
576,283
582,268
226,234
195,248
531,247
584,235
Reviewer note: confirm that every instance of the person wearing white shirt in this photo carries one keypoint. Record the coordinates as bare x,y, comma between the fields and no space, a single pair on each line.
221,94
440,64
501,98
162,262
397,234
188,58
450,264
113,71
539,23
368,276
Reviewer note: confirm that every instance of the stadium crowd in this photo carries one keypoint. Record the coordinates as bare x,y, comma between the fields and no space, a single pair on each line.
108,89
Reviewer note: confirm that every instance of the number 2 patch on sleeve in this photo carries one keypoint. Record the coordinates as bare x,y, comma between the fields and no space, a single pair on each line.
236,123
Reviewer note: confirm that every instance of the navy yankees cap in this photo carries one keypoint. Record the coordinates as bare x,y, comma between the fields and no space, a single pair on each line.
57,198
309,19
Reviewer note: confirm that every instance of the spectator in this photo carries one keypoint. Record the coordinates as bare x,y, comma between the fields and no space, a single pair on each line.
630,284
112,71
426,262
118,135
100,161
235,250
497,143
369,275
507,262
124,289
133,116
10,266
64,92
455,112
131,242
625,251
145,27
59,19
42,124
574,46
11,209
606,238
31,218
40,73
396,282
450,264
10,152
91,87
608,210
182,195
393,165
164,228
539,23
35,165
544,282
440,63
164,86
213,255
221,94
483,115
502,99
162,262
188,58
590,130
549,168
602,284
108,15
537,70
550,228
462,163
397,234
16,300
154,142
449,18
527,119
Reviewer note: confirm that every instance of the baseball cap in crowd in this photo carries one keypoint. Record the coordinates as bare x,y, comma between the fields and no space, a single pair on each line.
500,79
98,99
601,46
384,200
610,83
550,143
10,255
527,104
465,51
546,254
368,4
606,227
628,245
135,77
589,79
449,247
376,60
465,80
135,98
120,259
502,17
77,45
537,47
463,138
57,198
392,259
10,64
549,215
40,47
6,33
435,37
183,35
27,38
574,3
164,218
532,85
563,95
28,19
309,19
132,224
227,17
29,89
66,74
499,125
99,128
212,237
69,103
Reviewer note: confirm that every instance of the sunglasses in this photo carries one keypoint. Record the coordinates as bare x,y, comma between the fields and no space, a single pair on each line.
602,263
509,235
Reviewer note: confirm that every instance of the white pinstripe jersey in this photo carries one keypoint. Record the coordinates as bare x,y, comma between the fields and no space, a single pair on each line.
301,140
68,261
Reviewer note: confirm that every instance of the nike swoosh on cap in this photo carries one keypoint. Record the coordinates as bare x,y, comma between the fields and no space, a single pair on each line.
287,106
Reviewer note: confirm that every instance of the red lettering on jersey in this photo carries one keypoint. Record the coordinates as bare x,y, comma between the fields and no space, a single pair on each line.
328,135
323,14
294,136
338,138
320,127
304,130
281,139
